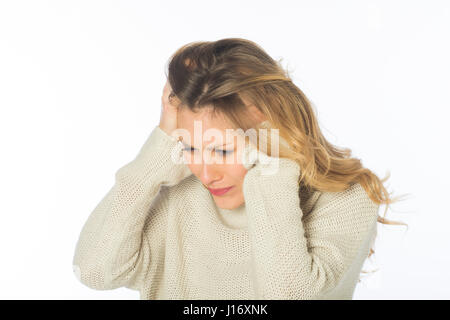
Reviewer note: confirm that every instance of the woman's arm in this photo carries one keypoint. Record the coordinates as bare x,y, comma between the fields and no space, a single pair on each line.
291,260
112,250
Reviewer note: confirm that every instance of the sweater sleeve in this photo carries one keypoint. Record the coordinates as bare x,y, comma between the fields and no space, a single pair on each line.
292,259
112,250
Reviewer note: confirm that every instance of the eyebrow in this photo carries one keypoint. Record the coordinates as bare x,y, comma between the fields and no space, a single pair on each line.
188,146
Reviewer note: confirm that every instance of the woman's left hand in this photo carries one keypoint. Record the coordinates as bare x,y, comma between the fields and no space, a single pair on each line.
252,157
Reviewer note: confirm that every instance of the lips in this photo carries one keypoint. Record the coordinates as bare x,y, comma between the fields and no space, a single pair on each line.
219,192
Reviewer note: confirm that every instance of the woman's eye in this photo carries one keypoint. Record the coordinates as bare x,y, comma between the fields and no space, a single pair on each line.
225,152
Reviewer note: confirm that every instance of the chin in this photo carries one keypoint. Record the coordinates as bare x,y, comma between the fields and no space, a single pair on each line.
221,205
228,206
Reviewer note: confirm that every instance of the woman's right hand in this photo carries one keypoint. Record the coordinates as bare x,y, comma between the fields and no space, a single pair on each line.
168,117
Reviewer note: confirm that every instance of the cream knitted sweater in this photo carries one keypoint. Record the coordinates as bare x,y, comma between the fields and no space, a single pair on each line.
159,231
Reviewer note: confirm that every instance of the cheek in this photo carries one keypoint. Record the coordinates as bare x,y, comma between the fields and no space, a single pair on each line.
237,171
194,169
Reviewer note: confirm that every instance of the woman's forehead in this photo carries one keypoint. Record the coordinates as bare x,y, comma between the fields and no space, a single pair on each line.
202,129
209,136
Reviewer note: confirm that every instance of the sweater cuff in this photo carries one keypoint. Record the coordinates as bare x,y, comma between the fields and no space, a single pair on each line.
160,159
274,171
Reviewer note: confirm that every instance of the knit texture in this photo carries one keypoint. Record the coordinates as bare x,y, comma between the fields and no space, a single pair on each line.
159,231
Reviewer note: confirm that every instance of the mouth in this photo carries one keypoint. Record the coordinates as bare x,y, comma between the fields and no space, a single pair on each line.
219,192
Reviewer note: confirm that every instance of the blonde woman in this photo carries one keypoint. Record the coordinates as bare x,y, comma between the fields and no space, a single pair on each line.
207,211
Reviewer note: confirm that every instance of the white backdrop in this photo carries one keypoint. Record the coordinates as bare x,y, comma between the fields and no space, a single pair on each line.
80,90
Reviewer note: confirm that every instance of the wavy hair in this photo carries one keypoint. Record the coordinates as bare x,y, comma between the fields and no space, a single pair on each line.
231,74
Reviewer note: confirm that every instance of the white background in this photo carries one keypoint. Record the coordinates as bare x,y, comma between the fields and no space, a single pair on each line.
80,90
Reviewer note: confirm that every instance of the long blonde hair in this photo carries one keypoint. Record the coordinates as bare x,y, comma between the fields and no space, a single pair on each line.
232,73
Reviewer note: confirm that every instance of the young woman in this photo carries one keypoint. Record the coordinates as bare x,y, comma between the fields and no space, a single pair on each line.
199,214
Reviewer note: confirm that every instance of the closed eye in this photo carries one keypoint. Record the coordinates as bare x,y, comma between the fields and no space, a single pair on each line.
223,152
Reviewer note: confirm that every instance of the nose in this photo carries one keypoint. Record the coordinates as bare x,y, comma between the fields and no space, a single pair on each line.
209,174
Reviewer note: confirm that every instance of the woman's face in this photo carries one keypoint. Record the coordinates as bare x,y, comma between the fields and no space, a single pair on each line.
216,154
